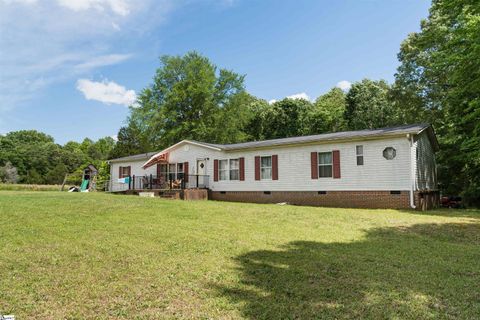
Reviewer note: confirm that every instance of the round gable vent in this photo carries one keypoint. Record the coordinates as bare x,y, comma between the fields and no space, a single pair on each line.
389,153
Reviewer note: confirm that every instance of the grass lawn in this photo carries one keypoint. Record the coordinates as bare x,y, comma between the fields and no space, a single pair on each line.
78,256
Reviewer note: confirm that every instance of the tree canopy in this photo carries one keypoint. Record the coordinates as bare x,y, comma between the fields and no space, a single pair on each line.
29,156
190,98
439,80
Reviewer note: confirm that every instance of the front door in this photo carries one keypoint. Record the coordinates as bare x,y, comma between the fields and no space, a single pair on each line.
201,173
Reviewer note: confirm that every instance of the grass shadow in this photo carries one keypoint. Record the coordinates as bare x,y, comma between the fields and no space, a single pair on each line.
418,272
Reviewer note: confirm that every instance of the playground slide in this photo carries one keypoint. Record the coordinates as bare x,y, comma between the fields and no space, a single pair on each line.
84,186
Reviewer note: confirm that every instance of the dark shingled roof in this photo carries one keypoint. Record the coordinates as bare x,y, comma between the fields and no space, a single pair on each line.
344,135
135,157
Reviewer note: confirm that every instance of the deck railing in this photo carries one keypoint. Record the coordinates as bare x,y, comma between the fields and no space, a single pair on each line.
160,182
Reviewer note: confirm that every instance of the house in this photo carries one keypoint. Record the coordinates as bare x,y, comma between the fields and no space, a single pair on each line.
382,168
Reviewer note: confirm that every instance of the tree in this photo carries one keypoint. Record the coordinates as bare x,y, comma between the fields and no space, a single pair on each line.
56,175
131,141
259,111
288,118
368,106
328,112
190,98
8,173
439,77
36,158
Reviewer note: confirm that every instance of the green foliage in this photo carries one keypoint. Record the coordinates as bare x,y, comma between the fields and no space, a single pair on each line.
131,140
257,123
56,175
8,173
288,118
37,159
368,106
439,78
328,112
190,98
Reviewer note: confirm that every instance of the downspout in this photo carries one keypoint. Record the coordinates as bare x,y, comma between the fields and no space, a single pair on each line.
412,173
110,183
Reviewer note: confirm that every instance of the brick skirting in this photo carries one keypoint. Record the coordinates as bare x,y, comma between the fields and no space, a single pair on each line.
341,199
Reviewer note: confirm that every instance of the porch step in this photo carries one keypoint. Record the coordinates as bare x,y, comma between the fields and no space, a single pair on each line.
169,195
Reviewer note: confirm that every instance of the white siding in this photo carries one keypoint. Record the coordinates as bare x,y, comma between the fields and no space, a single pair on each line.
424,163
294,174
136,169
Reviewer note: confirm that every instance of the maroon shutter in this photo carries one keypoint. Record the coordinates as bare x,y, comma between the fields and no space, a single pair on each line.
314,164
274,167
241,167
159,172
215,170
336,164
120,172
257,168
185,171
129,170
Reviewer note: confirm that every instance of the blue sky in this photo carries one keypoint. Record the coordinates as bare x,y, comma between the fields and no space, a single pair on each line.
70,67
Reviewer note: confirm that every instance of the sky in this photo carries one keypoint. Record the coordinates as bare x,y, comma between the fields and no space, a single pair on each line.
71,68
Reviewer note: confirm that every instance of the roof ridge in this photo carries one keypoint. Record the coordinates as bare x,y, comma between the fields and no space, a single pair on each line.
227,145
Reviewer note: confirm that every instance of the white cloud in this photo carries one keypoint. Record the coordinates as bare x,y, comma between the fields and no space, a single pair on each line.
344,85
119,7
301,95
44,43
107,92
24,2
102,61
272,101
116,26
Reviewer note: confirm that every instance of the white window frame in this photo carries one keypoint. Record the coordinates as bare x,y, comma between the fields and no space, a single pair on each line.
237,169
325,164
225,171
170,173
178,169
359,155
266,167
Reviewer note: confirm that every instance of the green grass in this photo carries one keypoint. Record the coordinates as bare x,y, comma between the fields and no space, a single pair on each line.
81,256
31,187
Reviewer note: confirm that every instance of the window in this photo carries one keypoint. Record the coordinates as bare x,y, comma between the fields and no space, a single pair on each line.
324,164
359,155
389,153
266,168
171,171
163,168
124,172
223,169
179,170
234,169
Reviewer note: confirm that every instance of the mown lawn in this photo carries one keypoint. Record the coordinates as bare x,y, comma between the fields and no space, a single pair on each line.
102,256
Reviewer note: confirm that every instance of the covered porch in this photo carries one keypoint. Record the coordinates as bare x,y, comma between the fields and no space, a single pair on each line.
170,176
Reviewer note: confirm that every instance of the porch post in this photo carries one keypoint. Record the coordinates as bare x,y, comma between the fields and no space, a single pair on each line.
151,182
133,182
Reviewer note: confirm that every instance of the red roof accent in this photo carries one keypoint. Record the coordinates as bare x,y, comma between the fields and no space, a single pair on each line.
160,158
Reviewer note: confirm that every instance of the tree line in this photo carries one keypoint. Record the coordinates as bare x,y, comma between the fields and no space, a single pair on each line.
33,157
437,82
